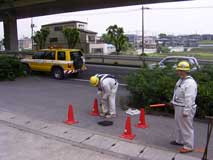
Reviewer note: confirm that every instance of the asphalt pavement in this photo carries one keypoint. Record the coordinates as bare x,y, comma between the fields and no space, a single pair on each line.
43,98
119,72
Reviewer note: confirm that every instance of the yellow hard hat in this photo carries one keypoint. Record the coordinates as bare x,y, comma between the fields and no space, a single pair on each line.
94,80
183,66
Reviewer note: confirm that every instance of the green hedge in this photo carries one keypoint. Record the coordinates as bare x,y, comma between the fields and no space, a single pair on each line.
156,86
10,68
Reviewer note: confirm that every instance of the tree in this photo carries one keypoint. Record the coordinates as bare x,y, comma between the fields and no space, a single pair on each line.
72,35
105,38
162,49
117,37
162,35
41,37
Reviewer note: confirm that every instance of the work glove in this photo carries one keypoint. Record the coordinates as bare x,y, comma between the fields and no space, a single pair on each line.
169,105
186,113
99,93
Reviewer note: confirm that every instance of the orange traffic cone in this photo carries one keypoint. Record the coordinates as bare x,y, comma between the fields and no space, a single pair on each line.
128,131
70,120
142,121
95,111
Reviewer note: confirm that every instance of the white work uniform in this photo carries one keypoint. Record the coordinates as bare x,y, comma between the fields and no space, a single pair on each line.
108,87
184,97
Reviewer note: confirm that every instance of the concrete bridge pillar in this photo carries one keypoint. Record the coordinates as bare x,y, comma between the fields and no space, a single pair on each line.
10,33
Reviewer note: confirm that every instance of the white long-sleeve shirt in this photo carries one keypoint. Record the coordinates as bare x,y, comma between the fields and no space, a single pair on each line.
107,85
185,93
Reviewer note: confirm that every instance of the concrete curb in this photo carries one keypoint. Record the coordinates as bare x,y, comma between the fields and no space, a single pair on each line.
88,139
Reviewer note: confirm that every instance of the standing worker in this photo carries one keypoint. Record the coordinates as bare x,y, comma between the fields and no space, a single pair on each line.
183,100
107,89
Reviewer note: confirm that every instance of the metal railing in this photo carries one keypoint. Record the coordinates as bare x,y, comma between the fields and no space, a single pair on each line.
104,58
136,58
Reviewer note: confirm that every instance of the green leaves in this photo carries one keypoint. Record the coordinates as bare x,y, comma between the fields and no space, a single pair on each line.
156,86
10,68
72,35
115,35
41,37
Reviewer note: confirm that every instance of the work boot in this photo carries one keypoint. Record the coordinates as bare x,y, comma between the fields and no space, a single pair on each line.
102,114
184,150
175,143
108,115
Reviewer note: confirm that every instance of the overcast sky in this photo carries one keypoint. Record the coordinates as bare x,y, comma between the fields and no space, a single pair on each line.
157,19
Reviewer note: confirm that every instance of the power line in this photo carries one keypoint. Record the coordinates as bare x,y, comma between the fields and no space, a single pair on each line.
102,13
201,7
136,10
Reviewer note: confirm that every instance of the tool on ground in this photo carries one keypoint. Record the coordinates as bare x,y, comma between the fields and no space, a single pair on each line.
127,134
142,120
209,131
70,116
105,123
157,105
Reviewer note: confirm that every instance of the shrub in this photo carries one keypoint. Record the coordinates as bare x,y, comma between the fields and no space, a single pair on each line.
10,68
156,86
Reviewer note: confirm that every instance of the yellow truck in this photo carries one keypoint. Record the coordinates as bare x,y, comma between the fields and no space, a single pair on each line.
59,62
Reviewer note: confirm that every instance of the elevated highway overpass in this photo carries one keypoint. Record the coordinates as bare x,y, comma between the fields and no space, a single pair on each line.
11,10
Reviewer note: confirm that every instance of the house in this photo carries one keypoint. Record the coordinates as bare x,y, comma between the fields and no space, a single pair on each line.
133,39
150,42
136,41
102,48
207,37
56,36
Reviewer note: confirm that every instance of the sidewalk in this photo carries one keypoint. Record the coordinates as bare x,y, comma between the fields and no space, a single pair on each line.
23,138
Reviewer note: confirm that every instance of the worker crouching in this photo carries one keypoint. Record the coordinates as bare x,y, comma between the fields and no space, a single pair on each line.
107,88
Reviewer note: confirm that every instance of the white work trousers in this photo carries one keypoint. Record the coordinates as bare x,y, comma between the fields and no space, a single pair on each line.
109,104
184,127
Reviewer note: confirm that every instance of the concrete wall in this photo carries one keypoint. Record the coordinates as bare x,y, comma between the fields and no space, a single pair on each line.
85,37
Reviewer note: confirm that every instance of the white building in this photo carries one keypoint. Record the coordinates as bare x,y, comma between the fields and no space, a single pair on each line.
177,49
25,44
102,48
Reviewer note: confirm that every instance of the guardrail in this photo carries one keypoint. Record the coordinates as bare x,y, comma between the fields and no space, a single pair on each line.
110,57
137,58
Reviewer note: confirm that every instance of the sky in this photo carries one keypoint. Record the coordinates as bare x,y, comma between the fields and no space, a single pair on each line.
195,18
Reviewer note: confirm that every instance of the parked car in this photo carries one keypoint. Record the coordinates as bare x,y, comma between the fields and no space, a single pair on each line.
172,61
59,62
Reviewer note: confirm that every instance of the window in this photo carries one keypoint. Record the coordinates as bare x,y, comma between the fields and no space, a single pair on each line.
53,39
91,38
76,54
38,55
58,28
97,50
170,61
49,55
81,26
61,55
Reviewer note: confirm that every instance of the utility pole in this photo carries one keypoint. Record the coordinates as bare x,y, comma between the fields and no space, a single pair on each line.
32,26
143,8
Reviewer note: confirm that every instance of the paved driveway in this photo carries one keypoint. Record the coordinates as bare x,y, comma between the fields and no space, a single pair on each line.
47,99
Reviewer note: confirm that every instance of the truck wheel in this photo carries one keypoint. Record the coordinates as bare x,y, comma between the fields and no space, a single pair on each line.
58,73
11,76
27,70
